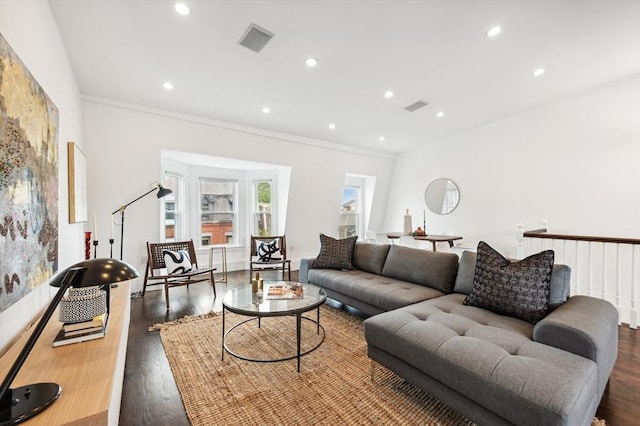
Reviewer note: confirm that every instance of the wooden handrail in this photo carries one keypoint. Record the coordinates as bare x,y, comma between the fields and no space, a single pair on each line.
542,233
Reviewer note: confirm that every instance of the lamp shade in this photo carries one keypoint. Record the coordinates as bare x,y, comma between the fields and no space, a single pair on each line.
96,272
163,192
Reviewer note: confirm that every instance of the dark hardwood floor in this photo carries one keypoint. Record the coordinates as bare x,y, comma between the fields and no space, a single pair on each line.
150,396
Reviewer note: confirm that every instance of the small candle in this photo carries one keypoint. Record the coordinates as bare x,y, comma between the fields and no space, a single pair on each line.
95,227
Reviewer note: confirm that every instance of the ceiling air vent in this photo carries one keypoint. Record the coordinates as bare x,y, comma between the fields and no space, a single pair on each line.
255,38
416,105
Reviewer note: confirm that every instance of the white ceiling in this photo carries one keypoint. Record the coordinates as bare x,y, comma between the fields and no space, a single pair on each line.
434,51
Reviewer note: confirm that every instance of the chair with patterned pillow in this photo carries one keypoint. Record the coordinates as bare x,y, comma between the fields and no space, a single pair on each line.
269,254
174,264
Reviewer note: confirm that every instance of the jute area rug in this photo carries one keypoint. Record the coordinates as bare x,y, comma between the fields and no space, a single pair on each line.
334,385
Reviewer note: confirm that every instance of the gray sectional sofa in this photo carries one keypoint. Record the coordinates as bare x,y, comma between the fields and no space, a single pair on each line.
494,369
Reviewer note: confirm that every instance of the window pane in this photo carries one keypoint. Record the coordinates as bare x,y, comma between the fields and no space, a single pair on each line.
349,212
217,211
171,210
262,222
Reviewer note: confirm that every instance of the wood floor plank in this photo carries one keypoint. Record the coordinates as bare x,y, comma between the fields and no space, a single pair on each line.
150,395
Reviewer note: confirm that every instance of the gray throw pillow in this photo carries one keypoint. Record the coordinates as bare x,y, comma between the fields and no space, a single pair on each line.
335,254
518,289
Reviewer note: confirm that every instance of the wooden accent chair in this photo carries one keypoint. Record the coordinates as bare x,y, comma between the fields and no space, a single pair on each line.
276,262
156,272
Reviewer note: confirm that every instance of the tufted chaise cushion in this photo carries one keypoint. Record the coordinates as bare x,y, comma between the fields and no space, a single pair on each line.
489,359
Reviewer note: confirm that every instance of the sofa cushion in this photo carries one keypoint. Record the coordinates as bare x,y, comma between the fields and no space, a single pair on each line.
519,289
370,257
433,269
372,289
466,270
335,254
489,359
558,289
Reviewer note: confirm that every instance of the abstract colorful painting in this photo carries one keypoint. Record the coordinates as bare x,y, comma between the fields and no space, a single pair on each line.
28,181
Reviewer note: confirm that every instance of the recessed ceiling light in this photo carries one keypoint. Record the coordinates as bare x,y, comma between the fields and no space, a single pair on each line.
381,138
538,72
388,94
332,126
311,62
182,9
266,110
167,85
493,31
440,114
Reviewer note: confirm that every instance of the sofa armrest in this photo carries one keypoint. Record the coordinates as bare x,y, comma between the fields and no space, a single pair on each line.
586,326
305,265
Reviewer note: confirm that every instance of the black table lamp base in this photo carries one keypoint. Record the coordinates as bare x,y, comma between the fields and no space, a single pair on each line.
24,402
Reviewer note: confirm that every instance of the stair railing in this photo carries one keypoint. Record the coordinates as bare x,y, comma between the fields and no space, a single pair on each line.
604,267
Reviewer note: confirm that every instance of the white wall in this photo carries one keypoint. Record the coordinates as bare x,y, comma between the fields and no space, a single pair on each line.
574,162
123,145
29,28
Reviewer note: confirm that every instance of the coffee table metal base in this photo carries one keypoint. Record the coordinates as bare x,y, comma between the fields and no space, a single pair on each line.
298,354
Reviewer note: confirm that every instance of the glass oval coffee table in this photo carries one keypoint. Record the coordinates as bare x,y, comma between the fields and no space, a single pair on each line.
243,302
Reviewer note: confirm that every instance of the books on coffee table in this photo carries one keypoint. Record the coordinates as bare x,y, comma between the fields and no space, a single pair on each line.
284,291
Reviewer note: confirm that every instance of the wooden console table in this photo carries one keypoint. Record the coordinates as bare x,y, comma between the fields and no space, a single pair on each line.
437,239
90,373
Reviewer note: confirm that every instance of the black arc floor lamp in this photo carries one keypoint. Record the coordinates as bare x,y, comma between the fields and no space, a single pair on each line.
21,403
162,192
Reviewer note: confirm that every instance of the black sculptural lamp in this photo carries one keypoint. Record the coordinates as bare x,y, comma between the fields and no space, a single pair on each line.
162,192
21,403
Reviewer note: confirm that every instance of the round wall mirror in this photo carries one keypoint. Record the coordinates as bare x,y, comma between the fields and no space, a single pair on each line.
442,196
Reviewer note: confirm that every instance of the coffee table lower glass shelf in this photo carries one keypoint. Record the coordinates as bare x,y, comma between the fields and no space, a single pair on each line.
243,302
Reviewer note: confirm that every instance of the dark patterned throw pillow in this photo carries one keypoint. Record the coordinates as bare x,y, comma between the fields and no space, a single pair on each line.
335,254
518,289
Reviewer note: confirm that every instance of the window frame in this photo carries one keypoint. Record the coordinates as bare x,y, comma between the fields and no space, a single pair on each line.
179,217
254,182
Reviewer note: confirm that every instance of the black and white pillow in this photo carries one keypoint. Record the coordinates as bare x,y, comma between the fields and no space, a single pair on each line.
177,262
268,250
519,289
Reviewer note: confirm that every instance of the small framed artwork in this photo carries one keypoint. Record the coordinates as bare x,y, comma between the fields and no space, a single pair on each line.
77,184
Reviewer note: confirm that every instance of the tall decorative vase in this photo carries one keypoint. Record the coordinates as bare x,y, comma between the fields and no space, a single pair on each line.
408,228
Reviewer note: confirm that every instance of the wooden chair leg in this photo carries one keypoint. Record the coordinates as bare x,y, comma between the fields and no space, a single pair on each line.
213,284
166,293
146,277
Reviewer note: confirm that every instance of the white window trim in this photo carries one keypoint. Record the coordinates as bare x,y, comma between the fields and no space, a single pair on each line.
263,177
180,196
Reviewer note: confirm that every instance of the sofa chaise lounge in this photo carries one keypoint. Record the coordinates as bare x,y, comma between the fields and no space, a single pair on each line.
494,369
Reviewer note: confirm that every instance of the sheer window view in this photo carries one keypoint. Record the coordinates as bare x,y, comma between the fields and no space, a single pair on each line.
350,212
172,211
262,202
217,211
